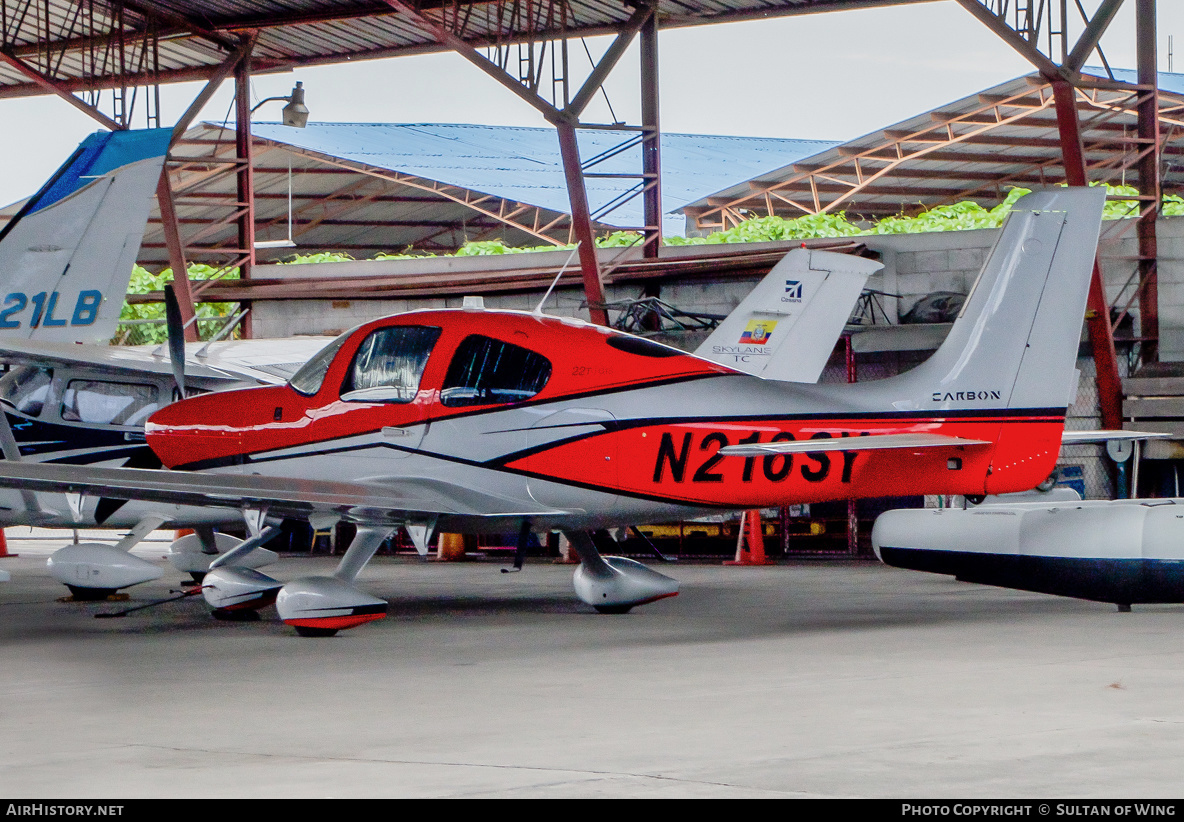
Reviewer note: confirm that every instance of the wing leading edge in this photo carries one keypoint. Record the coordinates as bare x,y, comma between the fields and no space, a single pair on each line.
397,500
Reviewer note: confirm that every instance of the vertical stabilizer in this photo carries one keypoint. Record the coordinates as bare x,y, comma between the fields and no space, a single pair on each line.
67,256
786,328
1015,343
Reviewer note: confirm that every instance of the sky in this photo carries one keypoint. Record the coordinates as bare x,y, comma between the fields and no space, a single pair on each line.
832,76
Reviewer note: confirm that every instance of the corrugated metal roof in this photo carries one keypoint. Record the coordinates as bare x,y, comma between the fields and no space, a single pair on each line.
523,164
81,44
1172,82
975,148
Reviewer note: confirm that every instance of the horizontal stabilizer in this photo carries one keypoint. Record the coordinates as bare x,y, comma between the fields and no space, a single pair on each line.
1076,437
861,443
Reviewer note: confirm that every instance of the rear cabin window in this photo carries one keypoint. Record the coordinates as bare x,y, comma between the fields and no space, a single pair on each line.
108,403
389,364
26,387
485,371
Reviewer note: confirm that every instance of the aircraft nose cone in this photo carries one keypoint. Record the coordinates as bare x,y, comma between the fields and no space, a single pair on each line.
207,428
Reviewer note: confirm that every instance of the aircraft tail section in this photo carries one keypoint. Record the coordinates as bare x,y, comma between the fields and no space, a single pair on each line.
67,256
1014,345
786,328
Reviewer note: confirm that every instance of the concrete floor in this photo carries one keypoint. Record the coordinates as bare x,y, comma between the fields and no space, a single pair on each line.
800,680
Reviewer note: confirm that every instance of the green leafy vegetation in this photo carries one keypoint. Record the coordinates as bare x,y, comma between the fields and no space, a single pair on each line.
144,281
306,259
955,217
767,229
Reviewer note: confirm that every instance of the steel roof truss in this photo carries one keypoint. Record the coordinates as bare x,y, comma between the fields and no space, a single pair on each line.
466,197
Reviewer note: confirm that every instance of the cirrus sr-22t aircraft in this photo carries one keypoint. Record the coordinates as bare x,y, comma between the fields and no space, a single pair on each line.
486,421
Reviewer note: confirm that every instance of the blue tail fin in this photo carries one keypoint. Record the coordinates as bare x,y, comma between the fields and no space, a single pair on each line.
67,256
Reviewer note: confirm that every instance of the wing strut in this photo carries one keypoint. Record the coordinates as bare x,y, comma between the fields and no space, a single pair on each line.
12,452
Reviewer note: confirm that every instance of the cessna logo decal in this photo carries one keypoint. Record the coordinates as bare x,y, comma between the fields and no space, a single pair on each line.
956,396
793,291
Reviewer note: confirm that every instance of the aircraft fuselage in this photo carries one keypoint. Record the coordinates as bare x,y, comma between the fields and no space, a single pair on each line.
615,430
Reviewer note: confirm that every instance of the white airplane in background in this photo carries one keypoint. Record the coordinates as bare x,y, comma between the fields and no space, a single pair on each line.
73,246
68,396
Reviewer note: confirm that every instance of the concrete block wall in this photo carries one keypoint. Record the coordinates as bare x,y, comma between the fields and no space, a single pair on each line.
919,264
1169,233
281,318
914,265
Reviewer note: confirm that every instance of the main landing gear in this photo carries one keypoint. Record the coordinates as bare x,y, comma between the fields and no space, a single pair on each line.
316,606
320,606
614,585
93,571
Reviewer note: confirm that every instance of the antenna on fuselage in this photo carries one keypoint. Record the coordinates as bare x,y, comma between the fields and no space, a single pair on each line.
538,309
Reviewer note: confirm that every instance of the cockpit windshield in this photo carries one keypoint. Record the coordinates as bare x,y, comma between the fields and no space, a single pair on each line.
311,375
26,388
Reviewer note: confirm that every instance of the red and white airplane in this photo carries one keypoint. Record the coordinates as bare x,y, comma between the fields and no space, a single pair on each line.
486,421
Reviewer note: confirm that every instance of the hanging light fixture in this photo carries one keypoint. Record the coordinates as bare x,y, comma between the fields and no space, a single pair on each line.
295,113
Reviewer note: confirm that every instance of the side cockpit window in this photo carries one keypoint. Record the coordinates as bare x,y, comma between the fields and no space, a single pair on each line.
485,371
389,364
26,388
108,403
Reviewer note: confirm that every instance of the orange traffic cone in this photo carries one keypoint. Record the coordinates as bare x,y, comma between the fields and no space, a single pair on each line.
750,547
4,546
450,547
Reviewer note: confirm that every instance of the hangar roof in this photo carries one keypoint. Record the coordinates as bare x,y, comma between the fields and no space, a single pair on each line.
368,187
971,149
523,164
84,44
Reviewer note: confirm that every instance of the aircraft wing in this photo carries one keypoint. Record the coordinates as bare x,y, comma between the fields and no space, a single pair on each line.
376,502
267,362
864,443
123,360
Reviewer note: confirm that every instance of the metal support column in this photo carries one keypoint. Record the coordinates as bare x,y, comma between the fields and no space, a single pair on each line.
1101,335
852,506
651,160
1149,183
580,218
245,175
651,151
565,122
172,241
164,190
